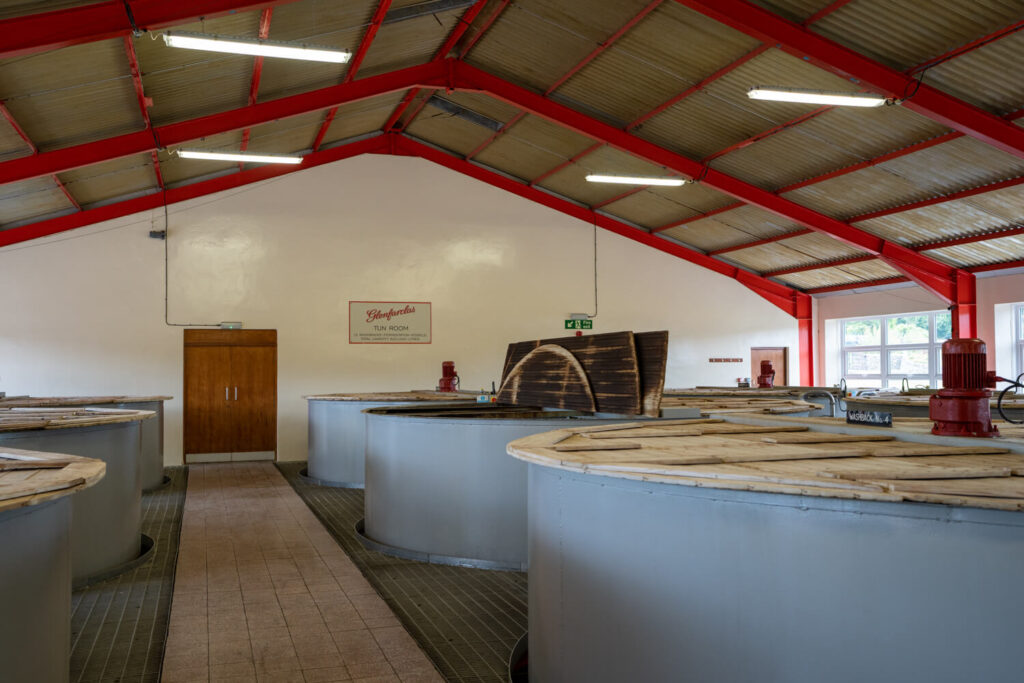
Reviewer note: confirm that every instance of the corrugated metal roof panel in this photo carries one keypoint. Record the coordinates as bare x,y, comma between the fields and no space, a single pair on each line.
186,84
11,144
70,96
407,43
722,115
658,206
29,199
517,156
983,77
112,179
670,50
931,223
871,189
482,104
962,163
1007,203
905,33
649,209
735,227
550,137
363,117
982,253
840,275
285,136
792,253
837,138
536,42
451,133
176,170
571,180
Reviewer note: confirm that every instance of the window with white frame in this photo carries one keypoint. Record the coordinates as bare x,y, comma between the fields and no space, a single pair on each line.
881,351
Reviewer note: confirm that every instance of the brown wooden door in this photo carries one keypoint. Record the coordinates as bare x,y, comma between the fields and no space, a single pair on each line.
778,355
230,393
254,397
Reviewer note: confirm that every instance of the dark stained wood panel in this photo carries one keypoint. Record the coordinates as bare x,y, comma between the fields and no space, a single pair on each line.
208,416
217,337
611,364
652,356
254,378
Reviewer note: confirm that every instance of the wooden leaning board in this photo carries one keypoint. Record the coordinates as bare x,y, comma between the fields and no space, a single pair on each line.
617,372
787,459
33,477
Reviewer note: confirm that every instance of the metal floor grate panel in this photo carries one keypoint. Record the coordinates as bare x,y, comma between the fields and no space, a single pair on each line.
466,620
119,626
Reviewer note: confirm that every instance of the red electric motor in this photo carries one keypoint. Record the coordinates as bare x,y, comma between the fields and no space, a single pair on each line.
962,408
449,378
766,380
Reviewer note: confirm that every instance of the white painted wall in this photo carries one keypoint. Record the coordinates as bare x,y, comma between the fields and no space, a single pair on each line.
84,311
992,292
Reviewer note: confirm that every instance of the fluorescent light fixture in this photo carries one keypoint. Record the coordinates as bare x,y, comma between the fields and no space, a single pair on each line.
635,180
254,46
808,96
241,158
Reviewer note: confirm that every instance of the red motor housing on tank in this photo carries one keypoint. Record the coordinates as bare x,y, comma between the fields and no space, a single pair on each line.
766,380
962,407
449,378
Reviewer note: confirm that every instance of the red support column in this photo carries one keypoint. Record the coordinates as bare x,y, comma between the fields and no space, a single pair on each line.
805,332
965,310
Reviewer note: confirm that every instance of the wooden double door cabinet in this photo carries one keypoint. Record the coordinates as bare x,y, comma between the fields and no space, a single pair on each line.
230,395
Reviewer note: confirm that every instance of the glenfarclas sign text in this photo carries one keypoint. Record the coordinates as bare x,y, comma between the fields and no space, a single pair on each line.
389,322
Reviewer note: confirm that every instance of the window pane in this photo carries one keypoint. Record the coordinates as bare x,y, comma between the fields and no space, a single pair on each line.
862,332
943,326
864,384
938,362
908,329
908,362
863,363
1020,322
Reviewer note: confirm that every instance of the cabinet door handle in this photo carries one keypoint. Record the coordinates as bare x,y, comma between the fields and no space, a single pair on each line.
226,394
236,393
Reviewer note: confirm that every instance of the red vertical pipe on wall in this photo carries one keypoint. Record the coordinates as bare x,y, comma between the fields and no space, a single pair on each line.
964,310
805,335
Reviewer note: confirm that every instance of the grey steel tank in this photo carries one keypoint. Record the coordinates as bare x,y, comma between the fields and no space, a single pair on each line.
35,579
337,432
106,519
439,487
644,581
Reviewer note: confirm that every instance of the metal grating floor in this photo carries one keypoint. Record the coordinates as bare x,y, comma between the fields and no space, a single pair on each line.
467,620
119,626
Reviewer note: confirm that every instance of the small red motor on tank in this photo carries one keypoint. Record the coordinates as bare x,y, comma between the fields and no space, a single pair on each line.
962,408
449,378
766,380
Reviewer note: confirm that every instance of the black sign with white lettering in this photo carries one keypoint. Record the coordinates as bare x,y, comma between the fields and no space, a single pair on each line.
873,418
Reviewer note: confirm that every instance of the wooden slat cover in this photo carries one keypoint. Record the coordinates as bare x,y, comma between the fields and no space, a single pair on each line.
789,458
22,487
19,419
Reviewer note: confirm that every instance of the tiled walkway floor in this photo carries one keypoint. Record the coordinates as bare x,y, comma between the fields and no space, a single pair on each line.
264,593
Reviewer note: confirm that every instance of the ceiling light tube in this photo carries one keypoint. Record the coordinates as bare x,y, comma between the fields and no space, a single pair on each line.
254,46
809,96
241,158
635,180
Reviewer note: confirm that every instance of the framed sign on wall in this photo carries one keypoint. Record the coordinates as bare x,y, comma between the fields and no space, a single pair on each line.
389,322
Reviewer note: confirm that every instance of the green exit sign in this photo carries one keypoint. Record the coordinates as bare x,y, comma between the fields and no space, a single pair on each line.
579,324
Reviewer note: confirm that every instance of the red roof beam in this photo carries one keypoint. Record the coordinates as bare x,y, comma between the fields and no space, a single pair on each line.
435,74
357,60
927,101
6,113
484,27
465,21
953,196
179,194
144,102
103,20
257,71
937,277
